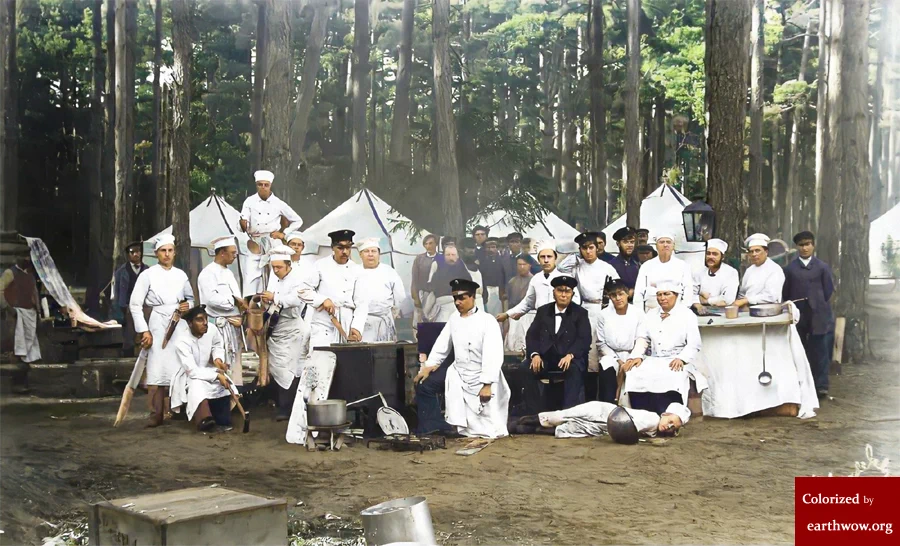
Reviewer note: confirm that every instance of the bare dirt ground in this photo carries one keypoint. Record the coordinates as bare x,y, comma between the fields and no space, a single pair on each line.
718,482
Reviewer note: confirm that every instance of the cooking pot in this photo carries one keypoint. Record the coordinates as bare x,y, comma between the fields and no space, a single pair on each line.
766,310
327,413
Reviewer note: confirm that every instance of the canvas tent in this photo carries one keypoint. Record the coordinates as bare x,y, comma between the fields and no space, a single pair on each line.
886,225
501,224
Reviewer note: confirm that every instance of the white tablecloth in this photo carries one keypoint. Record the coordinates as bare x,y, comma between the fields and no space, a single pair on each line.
732,359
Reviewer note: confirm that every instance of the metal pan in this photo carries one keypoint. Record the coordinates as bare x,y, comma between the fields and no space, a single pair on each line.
766,310
327,413
389,420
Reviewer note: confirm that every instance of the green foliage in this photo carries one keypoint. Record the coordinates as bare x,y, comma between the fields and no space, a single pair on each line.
791,93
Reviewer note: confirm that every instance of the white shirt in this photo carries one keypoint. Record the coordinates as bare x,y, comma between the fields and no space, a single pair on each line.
218,288
385,291
654,272
617,333
340,284
287,292
806,261
720,289
137,268
264,217
197,378
591,277
762,283
676,336
539,293
558,319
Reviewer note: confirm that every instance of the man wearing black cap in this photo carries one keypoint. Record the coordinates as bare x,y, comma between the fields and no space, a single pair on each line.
602,254
475,391
513,252
809,279
480,235
641,237
124,278
493,274
645,253
559,339
626,264
200,383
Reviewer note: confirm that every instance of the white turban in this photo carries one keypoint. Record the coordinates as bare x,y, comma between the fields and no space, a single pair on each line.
267,176
546,245
668,286
222,242
291,235
280,252
368,242
680,410
758,239
665,234
718,244
164,239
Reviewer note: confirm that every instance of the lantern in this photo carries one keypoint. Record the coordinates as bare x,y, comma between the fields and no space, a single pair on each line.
699,222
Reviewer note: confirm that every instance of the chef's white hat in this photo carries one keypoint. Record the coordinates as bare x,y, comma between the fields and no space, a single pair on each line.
758,239
546,245
665,234
267,176
718,244
280,252
164,239
222,242
680,410
291,235
668,286
368,242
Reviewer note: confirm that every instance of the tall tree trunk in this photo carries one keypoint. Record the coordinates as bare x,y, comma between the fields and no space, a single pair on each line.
159,221
757,50
853,135
259,85
659,145
372,119
727,48
632,177
830,204
134,193
123,208
822,104
98,269
400,144
597,115
799,115
277,98
876,202
568,124
781,145
182,26
164,208
448,172
360,77
10,111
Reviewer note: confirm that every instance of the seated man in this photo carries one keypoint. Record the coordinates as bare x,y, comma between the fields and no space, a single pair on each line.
559,339
763,281
428,405
617,338
654,382
717,284
589,419
200,383
476,393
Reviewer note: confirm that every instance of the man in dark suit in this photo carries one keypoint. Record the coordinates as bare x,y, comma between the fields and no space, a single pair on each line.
559,339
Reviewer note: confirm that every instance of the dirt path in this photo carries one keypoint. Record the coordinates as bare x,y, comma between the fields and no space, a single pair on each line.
718,482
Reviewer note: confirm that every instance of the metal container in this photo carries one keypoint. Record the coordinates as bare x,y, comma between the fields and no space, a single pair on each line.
405,520
766,310
731,312
327,413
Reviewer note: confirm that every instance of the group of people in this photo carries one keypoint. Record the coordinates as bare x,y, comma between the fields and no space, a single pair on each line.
628,317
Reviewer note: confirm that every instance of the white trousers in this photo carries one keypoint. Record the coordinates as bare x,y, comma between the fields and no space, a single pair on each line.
27,346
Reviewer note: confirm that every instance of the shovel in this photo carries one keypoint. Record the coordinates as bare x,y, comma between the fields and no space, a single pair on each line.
765,378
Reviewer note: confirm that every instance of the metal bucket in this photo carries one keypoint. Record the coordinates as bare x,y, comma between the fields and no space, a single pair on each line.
398,521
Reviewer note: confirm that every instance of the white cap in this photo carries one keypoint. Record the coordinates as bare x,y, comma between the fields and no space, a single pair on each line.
717,244
758,239
546,245
296,234
267,176
665,234
680,410
164,239
368,242
668,286
280,252
222,242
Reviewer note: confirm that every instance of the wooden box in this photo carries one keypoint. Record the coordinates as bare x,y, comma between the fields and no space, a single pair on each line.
197,516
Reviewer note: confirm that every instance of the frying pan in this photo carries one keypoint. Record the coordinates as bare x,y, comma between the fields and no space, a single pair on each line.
389,420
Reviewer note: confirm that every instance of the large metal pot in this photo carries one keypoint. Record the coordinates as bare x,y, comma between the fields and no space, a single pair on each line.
406,520
766,310
327,413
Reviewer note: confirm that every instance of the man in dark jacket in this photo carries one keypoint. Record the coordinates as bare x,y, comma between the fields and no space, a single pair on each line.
125,277
559,339
809,278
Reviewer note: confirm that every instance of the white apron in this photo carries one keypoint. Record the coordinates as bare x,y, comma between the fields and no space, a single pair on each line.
26,344
515,337
234,346
288,350
465,411
380,328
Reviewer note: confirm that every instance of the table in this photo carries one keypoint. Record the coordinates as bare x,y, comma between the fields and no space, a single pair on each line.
732,359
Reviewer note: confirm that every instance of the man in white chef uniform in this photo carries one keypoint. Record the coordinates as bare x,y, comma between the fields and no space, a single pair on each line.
717,284
288,344
261,219
199,383
164,288
764,280
653,382
664,267
589,419
540,292
387,296
337,294
592,275
475,391
220,293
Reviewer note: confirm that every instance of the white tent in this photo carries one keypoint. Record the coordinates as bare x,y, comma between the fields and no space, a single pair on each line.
501,224
886,225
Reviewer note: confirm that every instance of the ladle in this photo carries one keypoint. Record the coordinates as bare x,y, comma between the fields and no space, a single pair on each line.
765,378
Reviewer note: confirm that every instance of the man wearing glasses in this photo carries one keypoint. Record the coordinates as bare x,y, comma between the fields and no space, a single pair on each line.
124,278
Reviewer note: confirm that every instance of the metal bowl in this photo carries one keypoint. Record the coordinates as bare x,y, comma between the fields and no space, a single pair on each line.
621,427
766,310
327,413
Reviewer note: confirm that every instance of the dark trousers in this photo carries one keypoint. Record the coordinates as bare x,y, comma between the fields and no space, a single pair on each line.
818,350
607,385
284,398
217,408
657,402
573,378
428,403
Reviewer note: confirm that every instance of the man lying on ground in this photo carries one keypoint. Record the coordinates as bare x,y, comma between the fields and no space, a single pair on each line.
589,419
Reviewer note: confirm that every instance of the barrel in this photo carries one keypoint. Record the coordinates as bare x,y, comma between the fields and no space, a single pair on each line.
398,521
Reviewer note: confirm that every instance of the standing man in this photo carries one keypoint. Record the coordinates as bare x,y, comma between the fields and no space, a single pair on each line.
515,250
480,235
516,289
165,289
809,278
438,305
626,263
602,254
559,340
763,281
493,274
336,292
540,291
421,269
265,218
645,253
221,296
20,292
642,237
386,294
475,391
124,278
665,267
717,285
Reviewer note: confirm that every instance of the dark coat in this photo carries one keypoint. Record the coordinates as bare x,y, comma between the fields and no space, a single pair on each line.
125,279
574,334
815,283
